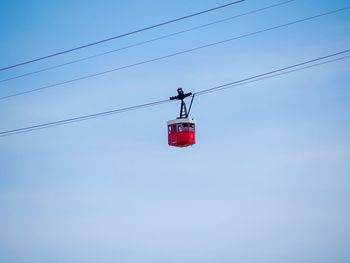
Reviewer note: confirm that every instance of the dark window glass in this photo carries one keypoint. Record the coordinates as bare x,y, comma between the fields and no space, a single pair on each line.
192,125
179,127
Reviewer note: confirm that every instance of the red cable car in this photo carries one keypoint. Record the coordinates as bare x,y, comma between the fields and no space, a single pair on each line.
182,131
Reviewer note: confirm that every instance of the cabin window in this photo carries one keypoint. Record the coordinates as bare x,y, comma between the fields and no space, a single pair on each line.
192,125
179,127
169,129
185,126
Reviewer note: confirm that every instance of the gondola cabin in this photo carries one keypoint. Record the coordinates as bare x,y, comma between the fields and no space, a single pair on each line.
181,132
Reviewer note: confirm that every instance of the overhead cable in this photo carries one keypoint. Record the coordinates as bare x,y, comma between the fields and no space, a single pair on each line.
173,54
145,42
198,93
120,36
255,78
273,75
81,118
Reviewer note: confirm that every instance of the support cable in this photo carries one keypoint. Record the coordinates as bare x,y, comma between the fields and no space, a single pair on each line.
173,54
202,92
145,42
80,118
120,36
255,78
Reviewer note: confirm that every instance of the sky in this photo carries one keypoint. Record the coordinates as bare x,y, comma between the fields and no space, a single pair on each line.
267,181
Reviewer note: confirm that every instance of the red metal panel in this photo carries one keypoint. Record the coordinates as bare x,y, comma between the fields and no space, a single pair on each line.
180,137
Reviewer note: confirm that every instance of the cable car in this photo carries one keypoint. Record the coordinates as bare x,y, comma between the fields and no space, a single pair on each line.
182,130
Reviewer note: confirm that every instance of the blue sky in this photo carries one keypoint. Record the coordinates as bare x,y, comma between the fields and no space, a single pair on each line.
267,181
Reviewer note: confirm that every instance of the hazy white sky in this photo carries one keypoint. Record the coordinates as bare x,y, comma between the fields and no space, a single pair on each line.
267,181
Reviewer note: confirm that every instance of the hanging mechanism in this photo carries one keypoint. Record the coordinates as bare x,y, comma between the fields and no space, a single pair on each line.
183,109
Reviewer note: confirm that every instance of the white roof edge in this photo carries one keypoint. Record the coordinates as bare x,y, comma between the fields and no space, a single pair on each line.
182,120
